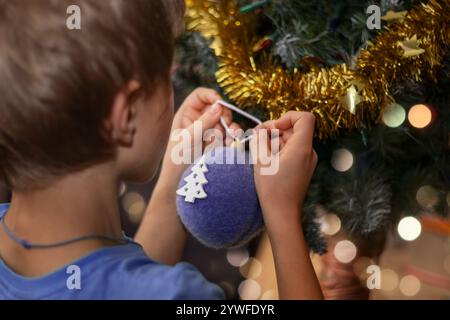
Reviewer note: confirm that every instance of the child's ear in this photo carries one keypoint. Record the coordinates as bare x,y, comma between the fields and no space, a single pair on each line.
121,122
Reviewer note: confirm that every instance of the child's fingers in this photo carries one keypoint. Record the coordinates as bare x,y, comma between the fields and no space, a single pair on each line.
201,98
191,114
286,135
260,145
253,146
268,125
281,136
235,127
211,117
298,125
304,130
288,120
221,129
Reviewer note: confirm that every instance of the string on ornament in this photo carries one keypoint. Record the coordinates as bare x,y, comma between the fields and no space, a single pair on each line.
242,113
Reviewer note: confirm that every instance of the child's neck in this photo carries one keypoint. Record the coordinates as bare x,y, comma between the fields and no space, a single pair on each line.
80,204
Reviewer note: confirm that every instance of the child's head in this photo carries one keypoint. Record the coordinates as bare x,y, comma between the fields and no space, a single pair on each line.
71,99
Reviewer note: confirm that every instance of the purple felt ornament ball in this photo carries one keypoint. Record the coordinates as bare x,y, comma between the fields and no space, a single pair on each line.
217,200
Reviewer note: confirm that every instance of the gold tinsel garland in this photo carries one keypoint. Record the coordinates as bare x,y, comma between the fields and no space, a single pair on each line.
341,96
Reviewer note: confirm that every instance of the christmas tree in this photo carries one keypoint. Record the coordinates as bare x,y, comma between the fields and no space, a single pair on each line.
193,189
380,96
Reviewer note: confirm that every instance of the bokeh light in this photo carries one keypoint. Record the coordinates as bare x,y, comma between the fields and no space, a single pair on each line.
330,224
345,251
342,160
410,285
420,116
389,280
237,256
134,204
394,116
270,295
427,196
249,290
252,269
409,228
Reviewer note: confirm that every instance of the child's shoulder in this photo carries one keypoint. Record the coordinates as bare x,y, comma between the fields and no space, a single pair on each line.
3,208
128,273
123,272
120,272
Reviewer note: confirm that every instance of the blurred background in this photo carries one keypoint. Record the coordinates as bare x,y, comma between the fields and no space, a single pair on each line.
381,194
414,264
414,259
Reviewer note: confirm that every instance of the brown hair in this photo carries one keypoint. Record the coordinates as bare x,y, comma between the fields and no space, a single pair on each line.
57,85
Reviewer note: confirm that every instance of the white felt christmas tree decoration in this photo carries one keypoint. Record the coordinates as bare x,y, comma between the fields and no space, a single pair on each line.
193,189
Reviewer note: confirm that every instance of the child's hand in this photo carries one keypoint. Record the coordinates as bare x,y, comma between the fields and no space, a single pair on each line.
195,108
199,106
161,232
282,194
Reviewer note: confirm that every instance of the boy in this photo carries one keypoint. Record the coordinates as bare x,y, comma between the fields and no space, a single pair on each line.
82,110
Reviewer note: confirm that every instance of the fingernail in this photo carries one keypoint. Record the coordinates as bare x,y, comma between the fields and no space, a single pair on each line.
216,108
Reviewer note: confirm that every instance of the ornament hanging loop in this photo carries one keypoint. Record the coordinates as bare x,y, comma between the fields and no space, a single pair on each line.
242,113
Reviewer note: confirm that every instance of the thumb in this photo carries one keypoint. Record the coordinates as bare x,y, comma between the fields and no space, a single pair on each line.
260,145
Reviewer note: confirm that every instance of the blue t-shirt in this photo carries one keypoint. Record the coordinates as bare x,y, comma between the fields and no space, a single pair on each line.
121,272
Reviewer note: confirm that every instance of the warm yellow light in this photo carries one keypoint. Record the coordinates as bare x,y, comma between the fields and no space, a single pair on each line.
389,280
270,295
394,116
252,269
237,256
330,224
409,228
345,251
134,204
249,290
342,160
427,196
410,285
420,116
